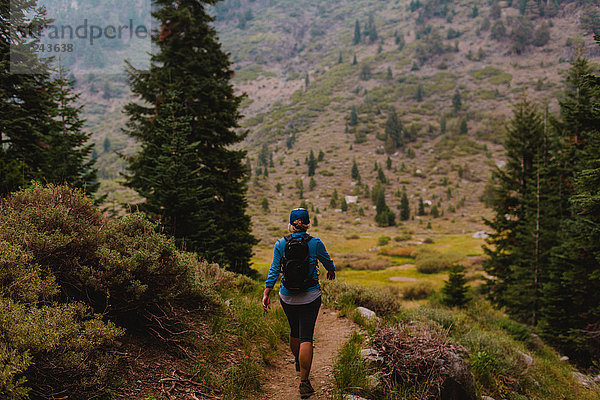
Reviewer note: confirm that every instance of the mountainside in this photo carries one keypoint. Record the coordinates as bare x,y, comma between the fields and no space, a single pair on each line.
295,62
451,69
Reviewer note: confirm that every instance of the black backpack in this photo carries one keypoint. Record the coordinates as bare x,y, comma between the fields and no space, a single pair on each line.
295,264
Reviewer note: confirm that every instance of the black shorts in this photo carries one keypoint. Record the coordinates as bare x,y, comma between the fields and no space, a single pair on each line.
302,319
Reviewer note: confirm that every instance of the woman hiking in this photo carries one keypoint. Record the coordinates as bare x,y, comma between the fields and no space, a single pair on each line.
296,255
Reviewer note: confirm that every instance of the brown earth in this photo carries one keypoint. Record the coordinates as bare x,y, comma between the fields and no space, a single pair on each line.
330,334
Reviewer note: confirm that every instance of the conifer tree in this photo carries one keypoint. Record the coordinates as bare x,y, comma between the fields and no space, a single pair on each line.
457,101
525,222
357,36
344,205
334,199
404,207
312,164
24,99
69,154
571,293
384,216
421,210
355,173
419,95
455,288
191,64
353,117
393,129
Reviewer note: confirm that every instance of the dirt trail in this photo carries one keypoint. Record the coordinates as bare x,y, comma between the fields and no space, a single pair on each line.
330,334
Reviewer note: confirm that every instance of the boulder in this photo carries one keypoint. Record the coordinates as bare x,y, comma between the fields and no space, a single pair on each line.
365,312
351,199
585,380
371,355
480,235
353,397
458,382
564,358
526,358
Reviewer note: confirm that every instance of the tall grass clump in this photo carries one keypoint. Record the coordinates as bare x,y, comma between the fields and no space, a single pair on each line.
351,370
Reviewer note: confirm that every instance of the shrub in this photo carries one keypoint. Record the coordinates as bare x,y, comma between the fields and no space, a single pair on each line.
384,301
429,261
403,237
383,240
65,269
417,291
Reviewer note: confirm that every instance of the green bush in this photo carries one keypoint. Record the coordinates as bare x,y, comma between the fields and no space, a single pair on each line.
383,240
65,270
417,291
429,261
384,301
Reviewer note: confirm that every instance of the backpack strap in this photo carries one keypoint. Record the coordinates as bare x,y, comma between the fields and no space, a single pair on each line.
287,237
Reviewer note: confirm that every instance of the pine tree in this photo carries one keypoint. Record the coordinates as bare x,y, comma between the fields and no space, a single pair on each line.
421,210
353,117
334,199
571,294
340,58
463,129
354,60
69,155
344,205
455,290
393,129
388,163
384,216
355,173
24,98
381,176
208,212
357,36
321,156
404,207
457,101
525,222
419,95
312,183
435,212
312,164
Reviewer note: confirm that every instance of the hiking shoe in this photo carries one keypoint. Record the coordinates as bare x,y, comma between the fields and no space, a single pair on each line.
297,366
306,390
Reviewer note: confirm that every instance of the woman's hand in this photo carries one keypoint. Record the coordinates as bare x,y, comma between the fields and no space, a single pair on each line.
331,275
266,302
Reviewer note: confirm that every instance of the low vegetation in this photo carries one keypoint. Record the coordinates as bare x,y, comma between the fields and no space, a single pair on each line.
495,348
79,291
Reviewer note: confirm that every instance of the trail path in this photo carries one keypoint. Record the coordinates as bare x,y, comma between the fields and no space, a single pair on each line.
330,334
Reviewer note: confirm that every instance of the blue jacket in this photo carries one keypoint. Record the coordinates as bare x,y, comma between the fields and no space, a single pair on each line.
316,252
